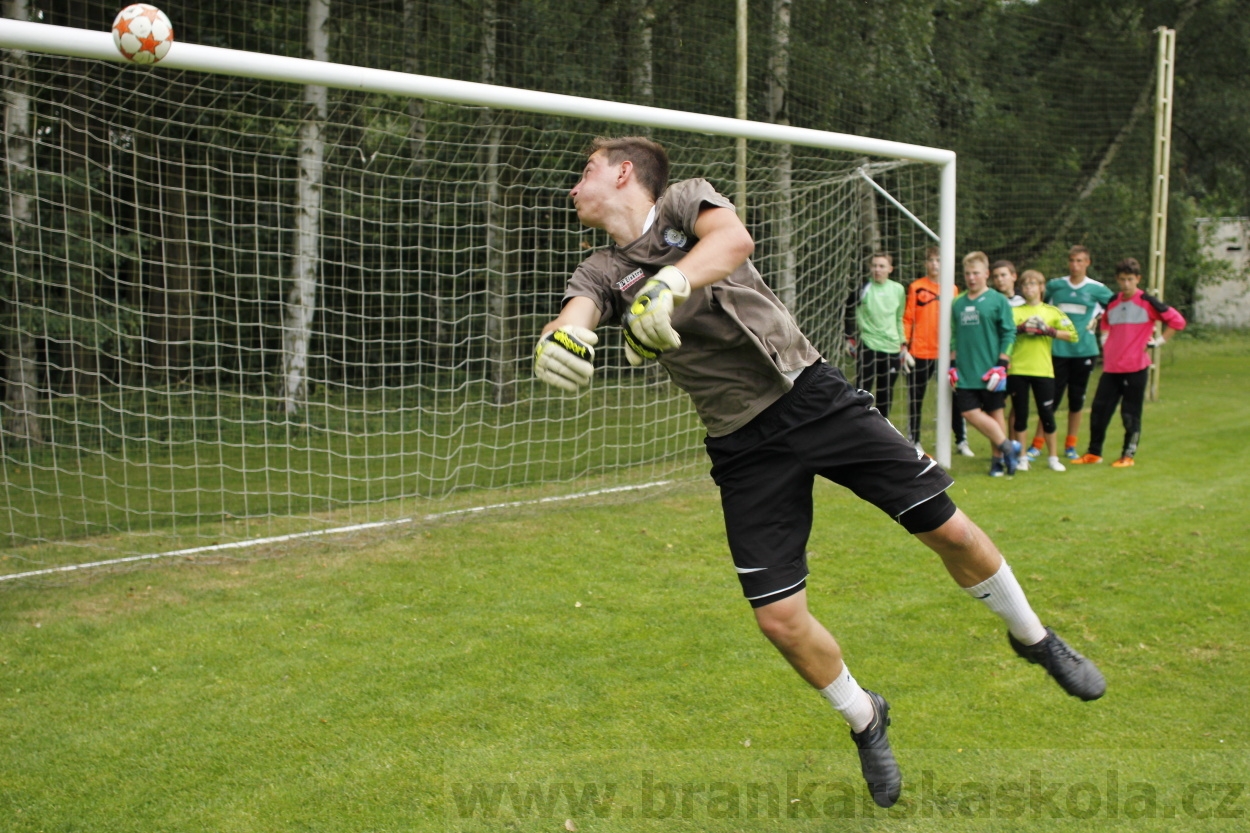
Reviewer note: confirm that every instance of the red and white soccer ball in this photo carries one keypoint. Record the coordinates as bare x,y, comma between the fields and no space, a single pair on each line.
142,33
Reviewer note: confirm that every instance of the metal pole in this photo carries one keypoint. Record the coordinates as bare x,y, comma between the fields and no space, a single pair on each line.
946,295
740,110
1159,189
61,40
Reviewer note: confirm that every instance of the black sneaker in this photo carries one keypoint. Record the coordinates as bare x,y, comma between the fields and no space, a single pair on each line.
876,761
1074,673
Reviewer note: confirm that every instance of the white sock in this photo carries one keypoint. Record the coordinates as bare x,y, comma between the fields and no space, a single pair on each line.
1054,458
849,700
1003,595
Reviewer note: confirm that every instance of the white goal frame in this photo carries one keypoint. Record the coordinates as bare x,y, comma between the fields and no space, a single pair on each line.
81,43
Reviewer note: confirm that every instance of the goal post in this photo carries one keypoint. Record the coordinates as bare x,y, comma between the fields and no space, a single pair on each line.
162,249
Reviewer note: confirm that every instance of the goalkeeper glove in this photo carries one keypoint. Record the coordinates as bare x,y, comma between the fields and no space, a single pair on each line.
906,363
635,351
564,358
995,378
1035,326
953,375
650,316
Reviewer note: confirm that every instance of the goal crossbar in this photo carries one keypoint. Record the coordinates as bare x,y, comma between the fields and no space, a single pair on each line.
82,43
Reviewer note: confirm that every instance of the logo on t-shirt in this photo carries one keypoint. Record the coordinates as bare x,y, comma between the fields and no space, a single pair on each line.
675,237
630,279
970,316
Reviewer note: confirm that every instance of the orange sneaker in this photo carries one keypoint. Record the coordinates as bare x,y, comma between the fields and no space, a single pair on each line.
1122,463
1086,458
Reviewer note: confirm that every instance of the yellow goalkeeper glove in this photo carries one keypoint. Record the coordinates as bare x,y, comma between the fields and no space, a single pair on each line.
650,317
564,358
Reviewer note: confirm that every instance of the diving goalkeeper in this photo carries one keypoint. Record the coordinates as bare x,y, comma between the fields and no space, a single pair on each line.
678,278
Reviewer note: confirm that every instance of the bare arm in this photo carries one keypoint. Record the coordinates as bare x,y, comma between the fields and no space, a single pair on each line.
724,245
579,312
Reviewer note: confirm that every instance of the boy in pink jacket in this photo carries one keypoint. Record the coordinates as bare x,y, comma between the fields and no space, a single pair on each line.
1129,329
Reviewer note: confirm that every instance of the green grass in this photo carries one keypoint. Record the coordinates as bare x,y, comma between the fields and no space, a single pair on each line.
188,463
548,657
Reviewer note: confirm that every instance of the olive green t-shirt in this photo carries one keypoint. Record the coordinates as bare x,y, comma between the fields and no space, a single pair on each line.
740,346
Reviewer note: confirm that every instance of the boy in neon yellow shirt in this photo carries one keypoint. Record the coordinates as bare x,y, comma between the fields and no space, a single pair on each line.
1037,326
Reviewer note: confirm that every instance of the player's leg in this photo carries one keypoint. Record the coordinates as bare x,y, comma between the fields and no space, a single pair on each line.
1060,366
977,566
1079,371
959,427
1131,406
983,410
887,375
863,368
883,470
1106,398
1044,396
1018,394
990,425
917,384
766,494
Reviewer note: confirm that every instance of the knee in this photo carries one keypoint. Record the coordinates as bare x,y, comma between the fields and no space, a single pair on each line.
957,534
782,623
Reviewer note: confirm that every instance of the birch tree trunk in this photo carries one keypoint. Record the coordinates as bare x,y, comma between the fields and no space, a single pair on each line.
21,366
414,31
301,303
785,279
869,230
174,296
498,362
641,54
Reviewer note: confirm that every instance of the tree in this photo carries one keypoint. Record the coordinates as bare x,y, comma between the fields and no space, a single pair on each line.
21,419
777,91
301,304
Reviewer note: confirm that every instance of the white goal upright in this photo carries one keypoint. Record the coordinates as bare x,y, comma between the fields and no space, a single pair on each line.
247,295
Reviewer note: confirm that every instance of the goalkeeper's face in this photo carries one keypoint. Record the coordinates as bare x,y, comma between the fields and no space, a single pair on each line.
594,192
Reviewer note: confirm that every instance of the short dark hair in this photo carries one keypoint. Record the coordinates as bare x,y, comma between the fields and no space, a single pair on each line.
1128,266
932,251
889,257
999,264
1079,250
649,157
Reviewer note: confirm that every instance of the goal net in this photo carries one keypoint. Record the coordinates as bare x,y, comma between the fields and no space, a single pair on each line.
232,310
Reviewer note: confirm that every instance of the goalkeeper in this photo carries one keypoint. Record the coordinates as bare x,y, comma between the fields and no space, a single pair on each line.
677,276
1037,326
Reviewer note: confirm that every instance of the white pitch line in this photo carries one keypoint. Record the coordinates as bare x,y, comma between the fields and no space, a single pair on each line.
278,539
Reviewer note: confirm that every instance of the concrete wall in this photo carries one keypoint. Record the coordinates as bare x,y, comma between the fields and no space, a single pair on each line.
1222,298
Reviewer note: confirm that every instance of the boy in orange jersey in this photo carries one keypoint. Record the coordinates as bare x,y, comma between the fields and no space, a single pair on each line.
919,354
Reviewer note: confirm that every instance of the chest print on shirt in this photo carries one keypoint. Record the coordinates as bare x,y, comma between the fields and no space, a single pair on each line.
630,279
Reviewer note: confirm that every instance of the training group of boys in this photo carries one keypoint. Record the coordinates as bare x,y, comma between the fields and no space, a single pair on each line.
678,280
1014,336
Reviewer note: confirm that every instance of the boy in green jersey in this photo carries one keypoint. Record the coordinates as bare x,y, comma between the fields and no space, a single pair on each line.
879,316
982,334
1082,299
1037,326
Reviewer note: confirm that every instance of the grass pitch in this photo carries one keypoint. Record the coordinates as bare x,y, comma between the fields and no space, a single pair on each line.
594,667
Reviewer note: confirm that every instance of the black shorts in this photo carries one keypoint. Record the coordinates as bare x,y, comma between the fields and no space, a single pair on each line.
766,470
970,399
1072,377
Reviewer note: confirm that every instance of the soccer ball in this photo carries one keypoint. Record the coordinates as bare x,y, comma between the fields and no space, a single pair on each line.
142,33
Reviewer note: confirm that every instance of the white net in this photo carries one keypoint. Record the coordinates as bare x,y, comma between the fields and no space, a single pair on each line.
155,246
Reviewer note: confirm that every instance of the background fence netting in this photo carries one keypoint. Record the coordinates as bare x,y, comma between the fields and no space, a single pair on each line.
149,295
